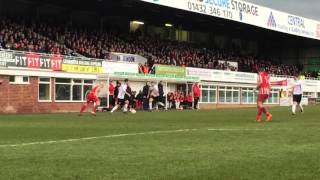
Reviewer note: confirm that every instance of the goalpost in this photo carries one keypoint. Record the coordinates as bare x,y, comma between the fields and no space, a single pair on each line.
145,78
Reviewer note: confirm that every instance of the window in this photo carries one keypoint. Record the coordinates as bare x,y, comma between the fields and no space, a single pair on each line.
44,89
19,79
274,97
62,80
212,95
63,92
25,79
88,81
208,94
72,89
76,92
12,79
249,95
222,95
86,90
230,95
205,95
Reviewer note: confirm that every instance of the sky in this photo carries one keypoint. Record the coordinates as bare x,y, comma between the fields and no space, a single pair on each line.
306,8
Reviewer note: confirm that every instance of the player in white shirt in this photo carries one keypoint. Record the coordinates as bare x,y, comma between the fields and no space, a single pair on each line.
121,97
297,95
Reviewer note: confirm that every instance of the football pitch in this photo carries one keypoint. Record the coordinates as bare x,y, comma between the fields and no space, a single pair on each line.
206,144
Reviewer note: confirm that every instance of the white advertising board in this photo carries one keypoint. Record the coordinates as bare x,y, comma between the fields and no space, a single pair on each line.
114,67
222,76
287,101
130,58
248,13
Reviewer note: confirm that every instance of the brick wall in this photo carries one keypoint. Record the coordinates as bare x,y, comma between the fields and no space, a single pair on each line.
24,99
15,98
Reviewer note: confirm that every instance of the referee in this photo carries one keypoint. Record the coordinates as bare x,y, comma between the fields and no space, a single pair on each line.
297,95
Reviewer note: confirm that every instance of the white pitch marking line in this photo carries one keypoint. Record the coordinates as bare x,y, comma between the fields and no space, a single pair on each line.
97,137
239,129
121,135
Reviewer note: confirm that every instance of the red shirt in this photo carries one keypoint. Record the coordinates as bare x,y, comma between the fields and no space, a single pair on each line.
196,91
95,90
264,83
181,98
111,89
189,98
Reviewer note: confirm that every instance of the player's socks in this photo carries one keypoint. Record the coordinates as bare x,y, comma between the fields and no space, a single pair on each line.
150,106
93,110
265,110
294,109
83,108
114,108
258,118
259,114
125,108
269,117
301,108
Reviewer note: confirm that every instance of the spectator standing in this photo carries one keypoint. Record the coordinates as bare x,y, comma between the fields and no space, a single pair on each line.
196,94
111,95
146,68
189,100
145,93
161,92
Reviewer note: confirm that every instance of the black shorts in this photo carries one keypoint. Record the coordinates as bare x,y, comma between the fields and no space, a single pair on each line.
121,102
129,99
155,98
297,98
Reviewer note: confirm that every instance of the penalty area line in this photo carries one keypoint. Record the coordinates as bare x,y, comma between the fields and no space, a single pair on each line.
95,137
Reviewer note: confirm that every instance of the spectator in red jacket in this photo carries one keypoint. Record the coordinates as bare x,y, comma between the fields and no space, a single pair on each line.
196,94
189,100
111,94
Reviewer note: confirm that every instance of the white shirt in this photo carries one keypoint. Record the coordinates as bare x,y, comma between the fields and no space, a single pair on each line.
155,89
297,85
122,91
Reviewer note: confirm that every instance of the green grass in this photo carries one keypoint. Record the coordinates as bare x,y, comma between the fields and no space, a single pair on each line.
287,148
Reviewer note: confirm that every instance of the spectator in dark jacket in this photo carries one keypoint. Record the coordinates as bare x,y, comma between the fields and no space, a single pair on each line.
145,93
161,92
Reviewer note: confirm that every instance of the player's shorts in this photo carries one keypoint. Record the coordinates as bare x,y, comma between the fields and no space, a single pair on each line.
297,98
91,98
263,97
121,102
155,98
129,99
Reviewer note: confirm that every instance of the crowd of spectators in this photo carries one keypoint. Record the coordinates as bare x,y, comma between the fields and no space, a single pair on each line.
70,40
16,35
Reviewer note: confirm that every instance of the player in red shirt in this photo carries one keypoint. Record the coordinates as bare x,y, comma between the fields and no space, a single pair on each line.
92,99
264,86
